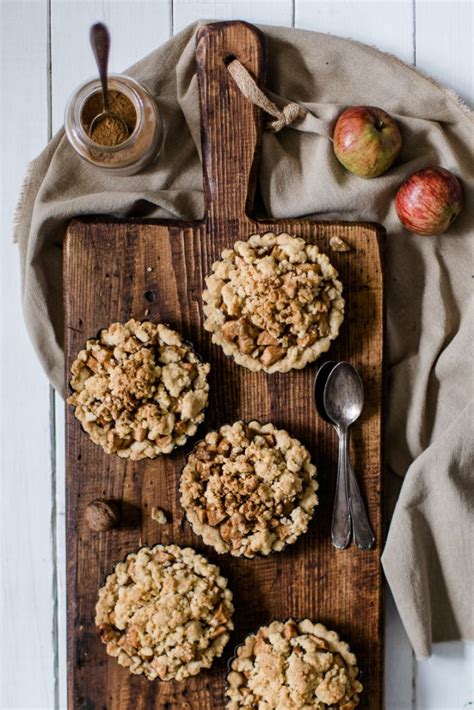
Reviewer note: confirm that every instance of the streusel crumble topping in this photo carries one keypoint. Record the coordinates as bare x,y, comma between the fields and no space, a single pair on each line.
273,302
139,389
249,488
295,666
165,612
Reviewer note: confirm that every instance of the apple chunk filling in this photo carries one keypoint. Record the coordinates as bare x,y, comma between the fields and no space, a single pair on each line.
273,302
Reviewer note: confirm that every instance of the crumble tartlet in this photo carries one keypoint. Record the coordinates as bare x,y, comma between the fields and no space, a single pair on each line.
249,489
165,612
139,389
273,303
296,666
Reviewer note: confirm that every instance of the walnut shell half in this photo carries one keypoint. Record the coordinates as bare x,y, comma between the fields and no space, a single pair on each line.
102,515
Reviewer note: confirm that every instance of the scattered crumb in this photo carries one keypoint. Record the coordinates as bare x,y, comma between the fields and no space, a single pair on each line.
159,515
147,311
149,268
337,244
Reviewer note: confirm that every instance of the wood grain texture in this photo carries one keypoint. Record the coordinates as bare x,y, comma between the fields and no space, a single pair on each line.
106,279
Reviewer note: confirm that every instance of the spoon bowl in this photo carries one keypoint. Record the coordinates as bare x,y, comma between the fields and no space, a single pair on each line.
343,395
318,388
113,117
341,404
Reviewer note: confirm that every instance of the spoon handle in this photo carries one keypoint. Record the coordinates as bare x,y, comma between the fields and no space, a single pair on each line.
341,515
363,534
100,41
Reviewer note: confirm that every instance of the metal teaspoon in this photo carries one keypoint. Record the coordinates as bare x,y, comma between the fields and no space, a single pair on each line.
363,535
100,42
341,526
343,400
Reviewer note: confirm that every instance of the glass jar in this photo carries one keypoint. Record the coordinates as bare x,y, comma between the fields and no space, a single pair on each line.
139,149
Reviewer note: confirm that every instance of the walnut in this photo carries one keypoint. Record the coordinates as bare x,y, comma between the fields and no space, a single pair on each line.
102,515
265,302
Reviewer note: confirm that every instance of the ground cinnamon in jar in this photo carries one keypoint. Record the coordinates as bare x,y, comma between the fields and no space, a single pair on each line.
109,131
111,148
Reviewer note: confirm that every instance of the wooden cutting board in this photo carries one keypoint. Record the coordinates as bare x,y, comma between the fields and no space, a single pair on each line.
106,279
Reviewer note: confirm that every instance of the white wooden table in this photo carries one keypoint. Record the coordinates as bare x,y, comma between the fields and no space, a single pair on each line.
45,54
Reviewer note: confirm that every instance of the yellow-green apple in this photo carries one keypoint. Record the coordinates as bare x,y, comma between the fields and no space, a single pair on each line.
429,201
366,140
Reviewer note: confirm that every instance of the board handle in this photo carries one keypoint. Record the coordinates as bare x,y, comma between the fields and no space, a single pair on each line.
230,124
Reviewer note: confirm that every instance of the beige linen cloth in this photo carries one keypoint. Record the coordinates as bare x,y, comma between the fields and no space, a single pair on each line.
428,553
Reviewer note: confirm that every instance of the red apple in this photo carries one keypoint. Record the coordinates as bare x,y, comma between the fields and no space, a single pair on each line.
366,140
429,201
